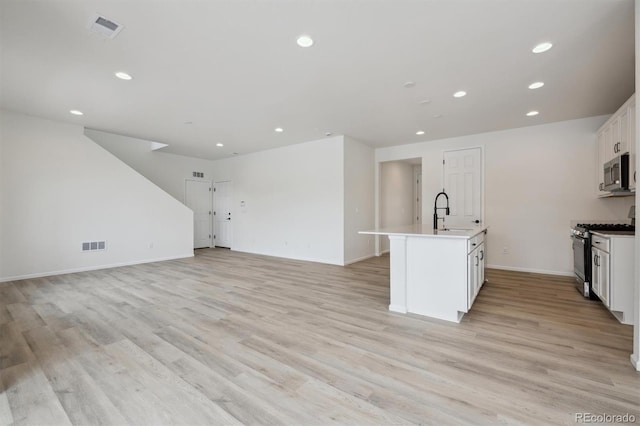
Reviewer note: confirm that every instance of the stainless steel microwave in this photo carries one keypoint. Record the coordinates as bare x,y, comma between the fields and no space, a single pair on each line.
616,174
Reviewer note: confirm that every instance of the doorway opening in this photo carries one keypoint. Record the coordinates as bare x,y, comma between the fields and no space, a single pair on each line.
400,195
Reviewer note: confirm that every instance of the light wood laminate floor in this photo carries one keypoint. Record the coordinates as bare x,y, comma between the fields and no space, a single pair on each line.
232,338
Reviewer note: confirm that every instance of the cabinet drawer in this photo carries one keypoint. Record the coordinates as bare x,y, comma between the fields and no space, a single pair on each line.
475,242
599,242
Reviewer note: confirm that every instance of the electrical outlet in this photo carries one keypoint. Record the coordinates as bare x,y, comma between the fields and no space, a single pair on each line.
505,250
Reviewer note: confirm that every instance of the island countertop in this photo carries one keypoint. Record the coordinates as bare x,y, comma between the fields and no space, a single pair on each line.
421,230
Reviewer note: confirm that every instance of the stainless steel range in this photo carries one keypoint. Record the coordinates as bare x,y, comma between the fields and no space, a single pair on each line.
581,241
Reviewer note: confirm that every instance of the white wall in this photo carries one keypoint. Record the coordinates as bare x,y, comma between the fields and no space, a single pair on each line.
58,189
358,200
168,171
396,197
294,201
537,179
291,194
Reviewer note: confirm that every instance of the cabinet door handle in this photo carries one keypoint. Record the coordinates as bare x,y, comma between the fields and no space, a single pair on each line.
476,260
481,254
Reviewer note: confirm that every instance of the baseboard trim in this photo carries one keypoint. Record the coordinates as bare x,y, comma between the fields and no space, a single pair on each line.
398,308
532,270
635,361
380,253
90,268
304,259
360,259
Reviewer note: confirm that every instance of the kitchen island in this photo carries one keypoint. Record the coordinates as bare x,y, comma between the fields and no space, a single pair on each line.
435,273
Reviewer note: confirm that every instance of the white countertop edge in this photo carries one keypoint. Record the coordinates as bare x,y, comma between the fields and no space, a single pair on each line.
426,231
605,234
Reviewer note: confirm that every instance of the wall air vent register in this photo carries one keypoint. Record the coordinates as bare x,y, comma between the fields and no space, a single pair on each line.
104,26
94,245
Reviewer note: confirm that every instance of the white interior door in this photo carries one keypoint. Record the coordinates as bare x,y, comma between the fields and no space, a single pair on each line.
197,196
222,217
463,185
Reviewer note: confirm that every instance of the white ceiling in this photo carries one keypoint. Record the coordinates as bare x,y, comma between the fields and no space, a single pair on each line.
233,69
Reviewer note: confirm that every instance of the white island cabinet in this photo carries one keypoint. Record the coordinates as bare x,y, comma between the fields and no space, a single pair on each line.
612,267
435,273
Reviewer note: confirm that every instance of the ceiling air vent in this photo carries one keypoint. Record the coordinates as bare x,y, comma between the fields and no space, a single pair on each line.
105,27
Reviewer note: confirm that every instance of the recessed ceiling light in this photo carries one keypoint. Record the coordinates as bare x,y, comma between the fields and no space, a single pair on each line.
219,144
76,112
304,41
532,113
542,47
420,132
123,76
460,94
328,134
279,129
536,85
409,84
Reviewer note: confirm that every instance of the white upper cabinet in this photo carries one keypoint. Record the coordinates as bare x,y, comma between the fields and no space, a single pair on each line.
604,139
616,137
619,133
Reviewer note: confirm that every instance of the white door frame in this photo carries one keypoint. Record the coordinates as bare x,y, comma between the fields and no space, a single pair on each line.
417,195
184,201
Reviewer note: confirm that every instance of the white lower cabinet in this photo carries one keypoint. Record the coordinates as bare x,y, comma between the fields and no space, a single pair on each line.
600,274
475,272
472,277
612,271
